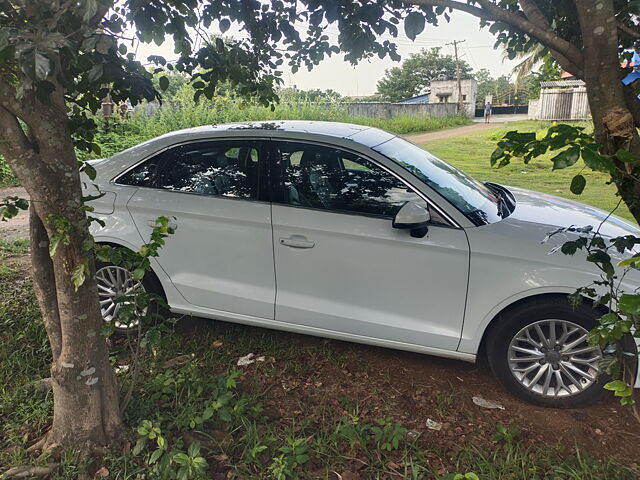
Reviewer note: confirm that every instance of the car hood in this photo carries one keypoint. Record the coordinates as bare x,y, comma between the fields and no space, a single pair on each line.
544,209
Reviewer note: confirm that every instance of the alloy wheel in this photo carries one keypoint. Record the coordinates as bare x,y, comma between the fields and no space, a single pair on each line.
554,358
114,283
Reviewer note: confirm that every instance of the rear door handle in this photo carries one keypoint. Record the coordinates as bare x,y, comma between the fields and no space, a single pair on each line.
297,241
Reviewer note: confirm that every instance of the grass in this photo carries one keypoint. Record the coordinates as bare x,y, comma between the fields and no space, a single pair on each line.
282,418
13,248
471,154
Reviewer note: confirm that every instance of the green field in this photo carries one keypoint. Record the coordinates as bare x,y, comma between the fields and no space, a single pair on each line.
471,154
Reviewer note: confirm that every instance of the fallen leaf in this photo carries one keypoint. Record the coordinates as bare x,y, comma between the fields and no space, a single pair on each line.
217,344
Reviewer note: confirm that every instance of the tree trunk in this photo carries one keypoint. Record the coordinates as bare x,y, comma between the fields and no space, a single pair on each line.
86,404
614,122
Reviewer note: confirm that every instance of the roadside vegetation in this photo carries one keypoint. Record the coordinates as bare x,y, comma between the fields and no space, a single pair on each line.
305,408
180,112
471,154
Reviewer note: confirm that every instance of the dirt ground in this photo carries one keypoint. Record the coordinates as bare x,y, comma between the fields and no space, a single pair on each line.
413,388
420,138
18,226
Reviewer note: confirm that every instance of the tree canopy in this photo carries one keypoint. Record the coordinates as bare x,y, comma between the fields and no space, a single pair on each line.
416,73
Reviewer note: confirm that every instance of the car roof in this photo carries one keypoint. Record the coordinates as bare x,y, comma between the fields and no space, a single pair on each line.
363,134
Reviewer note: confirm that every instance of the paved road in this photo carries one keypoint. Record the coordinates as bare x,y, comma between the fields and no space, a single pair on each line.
477,126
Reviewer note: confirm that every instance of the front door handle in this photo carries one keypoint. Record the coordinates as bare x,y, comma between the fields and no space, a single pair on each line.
297,241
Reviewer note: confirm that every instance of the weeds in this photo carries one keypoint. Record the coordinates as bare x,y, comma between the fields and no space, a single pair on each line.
15,248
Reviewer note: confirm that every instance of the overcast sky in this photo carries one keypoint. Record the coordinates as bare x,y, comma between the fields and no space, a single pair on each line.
339,75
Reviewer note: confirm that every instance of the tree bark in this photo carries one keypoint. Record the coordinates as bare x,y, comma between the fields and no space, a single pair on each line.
613,119
86,404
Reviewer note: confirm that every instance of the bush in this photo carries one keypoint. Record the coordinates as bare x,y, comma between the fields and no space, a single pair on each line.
7,177
182,113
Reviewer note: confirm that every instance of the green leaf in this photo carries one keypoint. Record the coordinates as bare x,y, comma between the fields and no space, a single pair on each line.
629,262
414,24
615,386
78,275
42,65
138,274
577,184
139,446
155,456
629,304
164,83
225,24
626,156
596,161
566,158
181,458
88,170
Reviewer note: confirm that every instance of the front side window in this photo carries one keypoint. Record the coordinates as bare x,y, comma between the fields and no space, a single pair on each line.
331,179
220,168
469,196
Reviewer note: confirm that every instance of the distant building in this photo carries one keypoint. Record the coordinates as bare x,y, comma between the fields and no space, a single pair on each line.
424,98
560,100
446,91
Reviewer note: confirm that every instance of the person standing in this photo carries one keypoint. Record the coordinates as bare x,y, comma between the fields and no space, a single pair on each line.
487,112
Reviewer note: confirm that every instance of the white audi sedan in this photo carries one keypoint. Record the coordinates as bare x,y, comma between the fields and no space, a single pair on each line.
350,232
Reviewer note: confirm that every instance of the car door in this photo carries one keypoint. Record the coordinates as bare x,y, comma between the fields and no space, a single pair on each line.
341,267
221,255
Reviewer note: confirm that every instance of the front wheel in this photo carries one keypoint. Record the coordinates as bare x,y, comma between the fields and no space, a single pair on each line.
541,353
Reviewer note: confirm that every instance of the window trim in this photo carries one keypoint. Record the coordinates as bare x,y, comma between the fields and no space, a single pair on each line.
262,196
279,181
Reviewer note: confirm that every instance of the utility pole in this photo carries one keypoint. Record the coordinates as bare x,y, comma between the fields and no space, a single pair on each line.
455,50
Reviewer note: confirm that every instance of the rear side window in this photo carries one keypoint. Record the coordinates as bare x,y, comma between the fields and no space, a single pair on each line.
221,168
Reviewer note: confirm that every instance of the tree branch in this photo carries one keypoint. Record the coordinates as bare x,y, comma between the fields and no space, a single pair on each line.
13,140
628,30
44,281
571,56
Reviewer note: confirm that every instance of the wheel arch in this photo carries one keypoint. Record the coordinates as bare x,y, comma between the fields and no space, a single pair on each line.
535,298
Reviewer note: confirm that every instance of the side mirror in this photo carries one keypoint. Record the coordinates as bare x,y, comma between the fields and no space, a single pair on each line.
414,217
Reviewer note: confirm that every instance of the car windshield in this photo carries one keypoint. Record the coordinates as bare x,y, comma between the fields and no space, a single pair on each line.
469,196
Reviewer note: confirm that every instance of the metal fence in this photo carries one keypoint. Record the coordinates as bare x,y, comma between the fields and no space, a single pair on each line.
563,104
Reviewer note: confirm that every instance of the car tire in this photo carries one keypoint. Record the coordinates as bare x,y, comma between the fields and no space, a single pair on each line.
109,276
538,349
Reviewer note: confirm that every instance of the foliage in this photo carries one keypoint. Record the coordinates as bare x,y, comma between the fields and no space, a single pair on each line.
470,154
622,315
416,73
11,206
501,89
506,435
570,141
182,112
7,177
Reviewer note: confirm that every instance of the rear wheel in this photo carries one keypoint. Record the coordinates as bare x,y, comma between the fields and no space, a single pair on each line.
540,352
114,283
